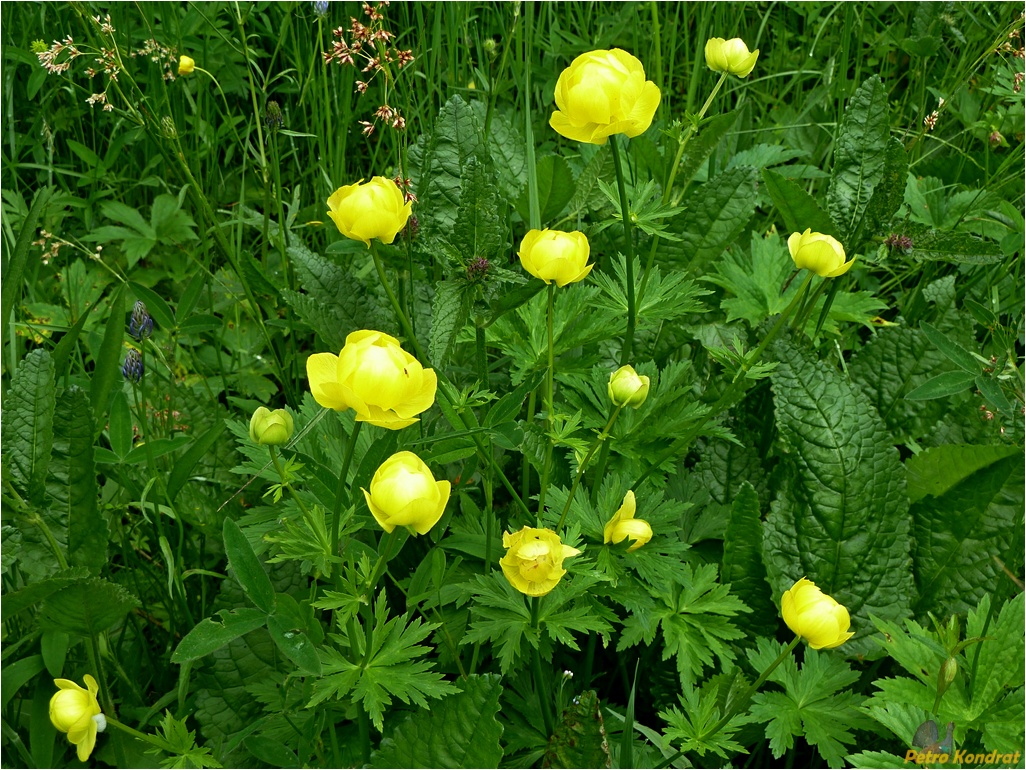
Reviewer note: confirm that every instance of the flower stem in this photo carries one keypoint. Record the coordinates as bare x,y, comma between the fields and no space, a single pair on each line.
548,405
281,475
601,437
540,686
343,477
628,238
151,739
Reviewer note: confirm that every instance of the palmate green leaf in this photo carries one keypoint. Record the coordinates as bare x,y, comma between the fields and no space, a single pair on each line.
743,566
499,615
875,760
963,536
182,742
695,621
665,298
860,155
810,705
71,485
27,425
86,607
460,731
690,729
823,524
756,277
388,669
1000,666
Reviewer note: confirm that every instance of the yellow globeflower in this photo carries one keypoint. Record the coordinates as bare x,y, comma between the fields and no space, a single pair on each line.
75,711
403,493
186,64
812,614
553,255
372,210
270,428
627,387
822,254
603,93
730,56
374,376
623,525
533,563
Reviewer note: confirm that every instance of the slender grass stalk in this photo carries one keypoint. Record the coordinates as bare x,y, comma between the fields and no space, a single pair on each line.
549,377
628,239
541,685
340,490
599,439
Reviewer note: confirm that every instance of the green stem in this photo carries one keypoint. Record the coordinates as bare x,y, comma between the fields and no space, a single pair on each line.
599,439
151,739
628,238
742,702
383,559
281,475
540,684
549,389
340,491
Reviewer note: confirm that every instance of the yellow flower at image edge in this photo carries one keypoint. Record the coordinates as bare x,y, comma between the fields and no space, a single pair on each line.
404,493
374,376
75,711
376,209
186,65
822,254
533,563
554,255
730,56
816,617
603,93
623,525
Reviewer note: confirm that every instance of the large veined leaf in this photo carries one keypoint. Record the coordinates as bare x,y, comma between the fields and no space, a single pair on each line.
964,525
743,564
456,138
860,155
460,731
86,607
448,315
841,518
72,482
886,198
28,425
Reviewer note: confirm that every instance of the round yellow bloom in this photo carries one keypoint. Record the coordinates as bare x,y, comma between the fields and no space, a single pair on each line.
812,614
730,56
75,711
374,376
627,387
533,563
623,525
270,428
372,210
553,255
822,254
186,65
403,493
603,93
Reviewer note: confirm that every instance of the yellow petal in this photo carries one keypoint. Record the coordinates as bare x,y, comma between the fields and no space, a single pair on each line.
322,373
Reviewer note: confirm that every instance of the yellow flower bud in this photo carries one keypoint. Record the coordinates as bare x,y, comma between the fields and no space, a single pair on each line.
627,387
270,428
812,614
374,376
553,255
75,711
372,210
533,563
822,254
603,93
730,56
186,64
403,493
623,525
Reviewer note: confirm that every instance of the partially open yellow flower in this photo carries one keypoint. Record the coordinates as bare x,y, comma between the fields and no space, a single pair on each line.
75,711
186,64
372,210
533,563
623,525
374,376
730,56
404,493
822,254
271,428
812,614
627,387
603,93
553,255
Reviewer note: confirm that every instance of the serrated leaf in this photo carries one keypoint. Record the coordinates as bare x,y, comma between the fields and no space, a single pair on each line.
71,485
1000,666
798,209
460,731
448,315
743,567
479,230
213,633
958,248
961,537
886,198
27,425
33,593
86,607
247,567
455,139
579,739
860,155
823,525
